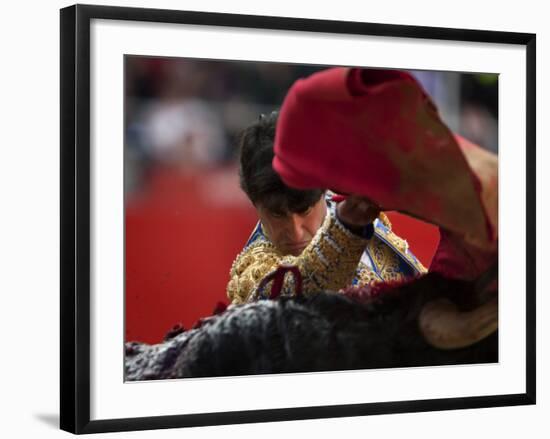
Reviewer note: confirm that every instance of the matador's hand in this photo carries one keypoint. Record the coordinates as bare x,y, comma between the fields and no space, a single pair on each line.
357,211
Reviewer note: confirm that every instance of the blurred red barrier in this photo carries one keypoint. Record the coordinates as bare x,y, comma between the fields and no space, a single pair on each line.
181,239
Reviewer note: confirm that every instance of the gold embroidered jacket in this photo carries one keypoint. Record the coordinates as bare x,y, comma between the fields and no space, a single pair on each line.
334,259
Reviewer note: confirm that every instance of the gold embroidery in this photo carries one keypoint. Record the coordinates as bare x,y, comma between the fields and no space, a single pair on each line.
331,261
386,259
328,262
384,220
403,247
365,275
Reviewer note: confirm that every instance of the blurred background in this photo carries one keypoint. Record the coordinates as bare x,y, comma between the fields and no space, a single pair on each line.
186,218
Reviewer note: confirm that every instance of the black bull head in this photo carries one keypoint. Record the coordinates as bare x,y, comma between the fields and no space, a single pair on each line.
429,321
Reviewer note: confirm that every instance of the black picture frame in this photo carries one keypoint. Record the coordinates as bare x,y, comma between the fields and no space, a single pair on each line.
75,217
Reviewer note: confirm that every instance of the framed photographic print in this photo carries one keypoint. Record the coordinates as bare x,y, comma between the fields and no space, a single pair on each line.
274,218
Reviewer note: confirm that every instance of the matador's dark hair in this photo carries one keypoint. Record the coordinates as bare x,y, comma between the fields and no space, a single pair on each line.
258,180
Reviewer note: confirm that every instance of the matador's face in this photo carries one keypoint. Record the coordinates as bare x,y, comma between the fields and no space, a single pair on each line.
291,232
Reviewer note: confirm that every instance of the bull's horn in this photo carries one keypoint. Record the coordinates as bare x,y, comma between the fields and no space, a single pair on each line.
445,327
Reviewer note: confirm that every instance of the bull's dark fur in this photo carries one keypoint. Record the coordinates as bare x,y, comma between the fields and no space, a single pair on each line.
323,332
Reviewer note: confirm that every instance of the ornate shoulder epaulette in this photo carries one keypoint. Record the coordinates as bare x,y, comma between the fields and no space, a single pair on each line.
382,231
257,234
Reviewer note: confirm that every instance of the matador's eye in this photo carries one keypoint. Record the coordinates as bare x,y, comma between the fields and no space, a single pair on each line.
277,215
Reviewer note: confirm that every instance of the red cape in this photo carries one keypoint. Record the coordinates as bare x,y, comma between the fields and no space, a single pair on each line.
377,133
